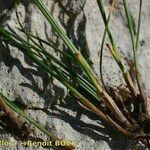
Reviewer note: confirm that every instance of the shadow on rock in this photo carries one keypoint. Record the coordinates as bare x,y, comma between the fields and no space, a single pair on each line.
99,131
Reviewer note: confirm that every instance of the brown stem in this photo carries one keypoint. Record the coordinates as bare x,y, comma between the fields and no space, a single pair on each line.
120,102
105,117
116,110
126,75
142,93
10,114
130,84
102,93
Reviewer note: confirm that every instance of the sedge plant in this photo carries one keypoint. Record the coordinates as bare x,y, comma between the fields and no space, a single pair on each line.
132,124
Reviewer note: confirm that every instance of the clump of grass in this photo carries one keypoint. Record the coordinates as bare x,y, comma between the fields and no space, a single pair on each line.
132,124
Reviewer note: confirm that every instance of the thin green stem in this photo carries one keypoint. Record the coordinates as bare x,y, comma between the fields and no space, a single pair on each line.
139,24
23,114
130,25
80,59
102,46
115,53
134,39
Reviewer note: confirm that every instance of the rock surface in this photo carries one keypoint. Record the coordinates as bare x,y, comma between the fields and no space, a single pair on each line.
22,80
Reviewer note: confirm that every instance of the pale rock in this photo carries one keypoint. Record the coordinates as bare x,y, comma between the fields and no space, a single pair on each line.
23,81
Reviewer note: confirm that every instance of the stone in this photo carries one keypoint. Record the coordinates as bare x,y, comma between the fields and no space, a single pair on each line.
22,80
